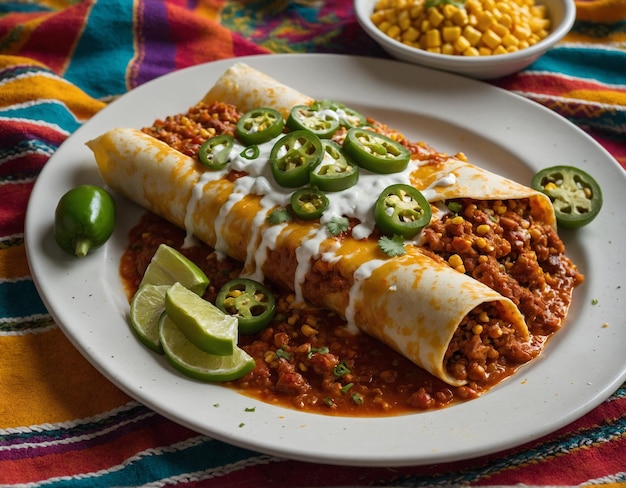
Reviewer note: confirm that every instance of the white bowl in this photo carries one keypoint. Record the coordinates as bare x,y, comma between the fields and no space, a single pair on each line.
562,14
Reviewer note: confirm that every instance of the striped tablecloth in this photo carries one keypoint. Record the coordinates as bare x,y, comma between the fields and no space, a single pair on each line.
61,61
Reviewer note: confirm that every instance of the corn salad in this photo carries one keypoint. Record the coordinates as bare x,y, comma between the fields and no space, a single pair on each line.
470,28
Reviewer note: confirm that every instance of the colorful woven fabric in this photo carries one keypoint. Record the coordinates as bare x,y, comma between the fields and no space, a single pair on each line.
61,422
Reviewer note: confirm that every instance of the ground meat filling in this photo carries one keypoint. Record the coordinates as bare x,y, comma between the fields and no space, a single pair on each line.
484,346
187,132
500,244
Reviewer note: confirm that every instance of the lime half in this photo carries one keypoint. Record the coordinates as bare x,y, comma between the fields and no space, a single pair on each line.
169,266
146,307
205,325
193,362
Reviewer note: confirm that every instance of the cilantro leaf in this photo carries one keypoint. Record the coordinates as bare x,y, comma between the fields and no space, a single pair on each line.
393,246
337,225
278,216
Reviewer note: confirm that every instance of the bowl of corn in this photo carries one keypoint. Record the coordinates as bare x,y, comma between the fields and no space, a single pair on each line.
482,39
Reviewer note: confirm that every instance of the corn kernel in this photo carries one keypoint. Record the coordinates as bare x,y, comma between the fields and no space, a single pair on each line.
484,21
410,35
537,24
472,34
455,261
435,17
384,26
378,17
457,220
483,229
471,51
491,39
481,242
394,31
477,329
506,21
510,40
448,48
451,34
460,18
416,11
483,316
433,38
449,10
308,331
461,44
500,50
499,29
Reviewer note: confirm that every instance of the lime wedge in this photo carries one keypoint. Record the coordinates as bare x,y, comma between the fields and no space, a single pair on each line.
146,307
205,325
169,266
193,362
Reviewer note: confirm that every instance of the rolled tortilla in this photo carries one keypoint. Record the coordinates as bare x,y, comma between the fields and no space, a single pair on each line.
413,303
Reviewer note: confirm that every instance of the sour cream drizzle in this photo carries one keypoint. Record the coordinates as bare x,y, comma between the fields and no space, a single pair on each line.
355,202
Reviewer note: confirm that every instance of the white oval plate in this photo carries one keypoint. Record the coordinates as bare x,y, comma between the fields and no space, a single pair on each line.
581,367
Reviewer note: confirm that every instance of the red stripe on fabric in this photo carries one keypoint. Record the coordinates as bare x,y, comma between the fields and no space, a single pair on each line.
243,47
13,200
569,468
15,132
100,453
198,40
28,165
52,42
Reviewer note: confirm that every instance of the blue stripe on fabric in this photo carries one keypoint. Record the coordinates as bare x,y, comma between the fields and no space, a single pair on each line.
12,7
99,63
32,146
202,457
47,111
605,66
19,299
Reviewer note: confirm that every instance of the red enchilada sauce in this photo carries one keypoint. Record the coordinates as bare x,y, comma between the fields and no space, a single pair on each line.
309,360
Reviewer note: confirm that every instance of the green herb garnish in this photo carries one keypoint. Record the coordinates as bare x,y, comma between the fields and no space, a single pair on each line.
278,216
337,225
436,3
392,246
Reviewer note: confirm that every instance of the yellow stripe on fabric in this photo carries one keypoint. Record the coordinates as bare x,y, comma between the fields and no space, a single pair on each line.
40,86
57,4
601,11
13,262
608,97
44,379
